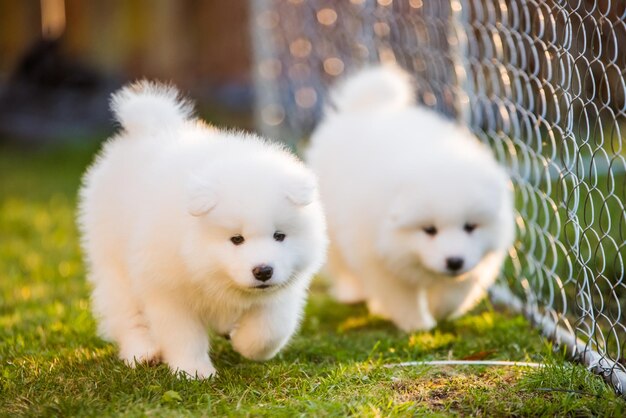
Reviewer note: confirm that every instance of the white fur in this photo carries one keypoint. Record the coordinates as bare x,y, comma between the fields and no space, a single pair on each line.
387,171
372,89
149,106
157,211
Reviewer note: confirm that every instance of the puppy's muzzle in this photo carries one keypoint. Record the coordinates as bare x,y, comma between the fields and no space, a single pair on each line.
263,272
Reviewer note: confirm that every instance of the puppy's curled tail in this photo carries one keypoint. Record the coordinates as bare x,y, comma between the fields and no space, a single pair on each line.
374,88
147,107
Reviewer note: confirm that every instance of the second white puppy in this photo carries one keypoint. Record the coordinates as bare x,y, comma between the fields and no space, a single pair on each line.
187,227
419,213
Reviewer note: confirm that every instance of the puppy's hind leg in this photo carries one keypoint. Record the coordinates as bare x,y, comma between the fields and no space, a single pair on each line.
121,317
346,287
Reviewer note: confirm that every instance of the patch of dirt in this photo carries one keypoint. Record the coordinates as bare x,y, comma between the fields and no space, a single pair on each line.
449,389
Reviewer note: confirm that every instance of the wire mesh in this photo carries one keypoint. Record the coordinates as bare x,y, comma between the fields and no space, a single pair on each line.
543,82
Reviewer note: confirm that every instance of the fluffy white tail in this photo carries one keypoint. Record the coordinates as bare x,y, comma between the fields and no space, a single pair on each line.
380,87
146,106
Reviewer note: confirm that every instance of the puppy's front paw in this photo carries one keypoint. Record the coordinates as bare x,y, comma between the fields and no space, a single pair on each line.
420,319
201,369
375,307
416,324
253,346
139,349
346,292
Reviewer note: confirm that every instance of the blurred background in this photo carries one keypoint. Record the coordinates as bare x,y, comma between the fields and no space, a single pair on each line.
61,59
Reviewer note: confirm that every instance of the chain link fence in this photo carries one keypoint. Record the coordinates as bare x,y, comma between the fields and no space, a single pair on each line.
543,82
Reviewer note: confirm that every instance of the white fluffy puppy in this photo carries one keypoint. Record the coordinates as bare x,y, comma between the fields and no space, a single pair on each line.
419,213
186,227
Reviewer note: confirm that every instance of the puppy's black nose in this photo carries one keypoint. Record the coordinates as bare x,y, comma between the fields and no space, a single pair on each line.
454,263
263,272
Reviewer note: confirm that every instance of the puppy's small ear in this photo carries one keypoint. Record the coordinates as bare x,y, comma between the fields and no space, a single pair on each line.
201,197
302,192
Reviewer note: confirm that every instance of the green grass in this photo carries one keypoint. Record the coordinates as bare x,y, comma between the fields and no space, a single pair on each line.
53,364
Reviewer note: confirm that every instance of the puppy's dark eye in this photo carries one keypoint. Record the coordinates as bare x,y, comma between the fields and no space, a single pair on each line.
237,239
469,227
430,230
279,236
